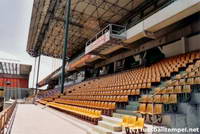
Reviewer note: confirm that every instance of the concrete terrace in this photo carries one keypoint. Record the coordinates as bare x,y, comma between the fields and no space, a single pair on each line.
32,119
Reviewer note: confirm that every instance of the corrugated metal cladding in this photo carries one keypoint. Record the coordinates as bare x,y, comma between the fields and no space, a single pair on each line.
14,82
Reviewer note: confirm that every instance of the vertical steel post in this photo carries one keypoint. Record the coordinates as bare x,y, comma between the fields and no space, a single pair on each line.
33,84
38,71
66,23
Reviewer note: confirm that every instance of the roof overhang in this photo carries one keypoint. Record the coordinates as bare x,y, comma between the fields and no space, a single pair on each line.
169,15
88,17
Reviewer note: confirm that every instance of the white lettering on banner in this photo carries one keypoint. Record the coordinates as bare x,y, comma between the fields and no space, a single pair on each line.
97,43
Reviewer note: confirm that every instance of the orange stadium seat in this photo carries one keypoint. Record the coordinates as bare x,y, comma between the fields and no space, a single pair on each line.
143,84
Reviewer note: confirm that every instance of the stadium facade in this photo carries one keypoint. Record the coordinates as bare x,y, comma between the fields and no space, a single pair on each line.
14,80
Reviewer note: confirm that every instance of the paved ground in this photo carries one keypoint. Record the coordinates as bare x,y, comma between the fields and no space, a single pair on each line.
31,119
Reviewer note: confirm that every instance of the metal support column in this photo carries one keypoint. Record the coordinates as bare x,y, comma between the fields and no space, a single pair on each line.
67,20
33,84
38,71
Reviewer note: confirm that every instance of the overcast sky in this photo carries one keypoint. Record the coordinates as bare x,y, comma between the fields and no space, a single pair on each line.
15,18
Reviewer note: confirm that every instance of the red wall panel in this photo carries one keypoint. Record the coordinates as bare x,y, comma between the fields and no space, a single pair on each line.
14,82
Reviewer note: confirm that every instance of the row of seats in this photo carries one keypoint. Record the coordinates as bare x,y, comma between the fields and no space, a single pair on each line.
151,109
98,98
130,80
192,71
165,99
121,87
186,81
173,89
182,82
110,93
84,113
106,107
48,99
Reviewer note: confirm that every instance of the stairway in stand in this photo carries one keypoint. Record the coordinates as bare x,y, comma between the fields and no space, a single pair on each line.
108,125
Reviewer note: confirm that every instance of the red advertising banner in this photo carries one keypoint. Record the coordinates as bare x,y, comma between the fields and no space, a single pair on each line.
14,82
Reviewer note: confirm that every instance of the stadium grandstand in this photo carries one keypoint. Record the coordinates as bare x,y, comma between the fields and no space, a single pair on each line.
128,66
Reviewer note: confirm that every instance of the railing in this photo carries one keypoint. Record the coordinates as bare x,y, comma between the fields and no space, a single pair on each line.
6,120
116,31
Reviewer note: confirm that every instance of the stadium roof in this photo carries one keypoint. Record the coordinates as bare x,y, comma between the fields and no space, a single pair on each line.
87,18
12,68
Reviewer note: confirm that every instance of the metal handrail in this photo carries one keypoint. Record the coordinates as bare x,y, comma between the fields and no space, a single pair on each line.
5,117
104,30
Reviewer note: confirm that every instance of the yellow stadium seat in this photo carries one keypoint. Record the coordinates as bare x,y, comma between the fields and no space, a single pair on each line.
142,108
186,89
139,124
177,89
173,99
157,99
197,80
190,81
125,121
165,98
132,121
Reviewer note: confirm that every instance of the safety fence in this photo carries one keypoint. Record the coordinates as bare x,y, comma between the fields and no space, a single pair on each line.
7,118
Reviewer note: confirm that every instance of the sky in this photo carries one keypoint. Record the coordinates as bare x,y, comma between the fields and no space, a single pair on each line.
15,18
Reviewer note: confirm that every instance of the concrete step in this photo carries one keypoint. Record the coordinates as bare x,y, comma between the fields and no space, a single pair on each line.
195,98
111,126
184,108
174,120
134,103
111,119
120,116
191,112
196,88
126,112
101,130
119,132
131,107
90,131
198,114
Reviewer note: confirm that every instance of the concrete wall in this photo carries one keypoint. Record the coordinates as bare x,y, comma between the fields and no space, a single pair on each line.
173,49
178,47
17,93
171,14
194,42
